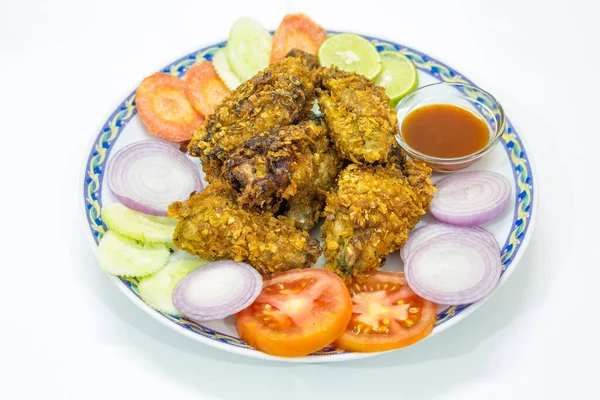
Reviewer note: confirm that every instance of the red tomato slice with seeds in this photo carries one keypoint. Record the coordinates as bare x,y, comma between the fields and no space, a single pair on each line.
386,315
298,312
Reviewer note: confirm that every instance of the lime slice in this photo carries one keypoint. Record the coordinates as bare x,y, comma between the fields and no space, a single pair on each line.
398,75
221,63
351,53
248,48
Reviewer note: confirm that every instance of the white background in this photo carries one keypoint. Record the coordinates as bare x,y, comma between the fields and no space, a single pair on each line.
67,333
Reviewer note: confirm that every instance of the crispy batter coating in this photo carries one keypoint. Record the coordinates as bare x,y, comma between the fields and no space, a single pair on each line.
280,95
214,226
306,206
309,60
362,124
370,215
396,157
276,164
418,175
273,168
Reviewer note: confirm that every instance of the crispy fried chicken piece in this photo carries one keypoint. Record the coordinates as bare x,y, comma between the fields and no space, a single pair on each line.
280,95
212,225
418,175
306,206
362,124
371,214
277,164
309,60
396,157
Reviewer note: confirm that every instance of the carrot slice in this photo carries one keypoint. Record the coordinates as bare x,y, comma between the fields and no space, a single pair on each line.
164,108
297,31
205,90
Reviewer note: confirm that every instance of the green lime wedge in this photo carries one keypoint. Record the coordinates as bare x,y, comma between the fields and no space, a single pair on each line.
351,53
398,75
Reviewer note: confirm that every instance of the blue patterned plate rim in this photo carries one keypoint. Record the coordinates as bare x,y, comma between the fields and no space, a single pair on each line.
512,250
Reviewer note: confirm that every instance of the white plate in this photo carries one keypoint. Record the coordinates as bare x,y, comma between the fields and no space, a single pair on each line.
512,229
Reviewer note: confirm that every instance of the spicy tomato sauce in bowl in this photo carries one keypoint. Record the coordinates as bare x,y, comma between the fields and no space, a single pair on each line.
449,126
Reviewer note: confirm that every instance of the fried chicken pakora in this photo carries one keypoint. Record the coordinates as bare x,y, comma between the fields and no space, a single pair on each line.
274,171
280,95
214,226
418,175
362,124
305,208
278,164
371,214
306,205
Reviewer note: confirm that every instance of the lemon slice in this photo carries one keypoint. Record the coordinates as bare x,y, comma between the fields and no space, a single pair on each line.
248,48
398,75
351,53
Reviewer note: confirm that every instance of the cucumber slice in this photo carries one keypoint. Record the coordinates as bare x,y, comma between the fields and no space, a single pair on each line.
122,256
248,48
138,226
221,63
157,290
178,255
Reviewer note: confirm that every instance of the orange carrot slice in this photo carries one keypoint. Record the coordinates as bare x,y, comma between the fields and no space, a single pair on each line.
164,108
297,31
205,90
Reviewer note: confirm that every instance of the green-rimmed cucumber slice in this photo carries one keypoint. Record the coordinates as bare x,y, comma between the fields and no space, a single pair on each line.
221,63
122,256
157,290
138,226
248,48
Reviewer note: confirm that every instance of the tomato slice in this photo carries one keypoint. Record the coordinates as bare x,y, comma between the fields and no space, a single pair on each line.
298,312
164,109
297,31
205,90
386,314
